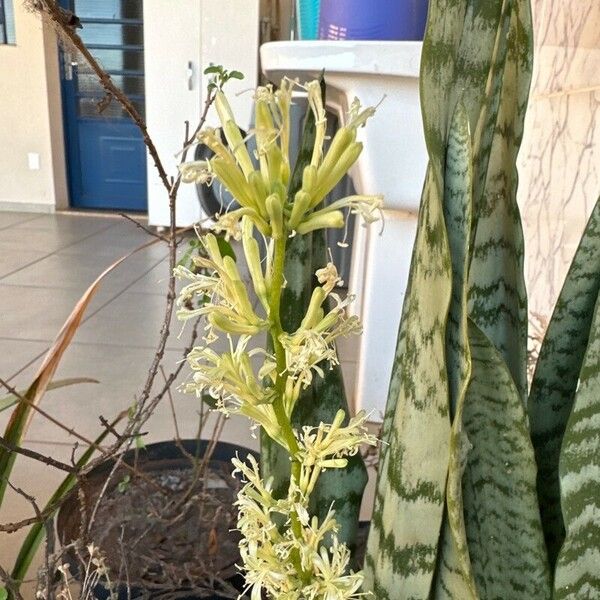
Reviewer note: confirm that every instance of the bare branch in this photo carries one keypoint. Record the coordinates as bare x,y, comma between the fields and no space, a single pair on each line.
144,228
48,460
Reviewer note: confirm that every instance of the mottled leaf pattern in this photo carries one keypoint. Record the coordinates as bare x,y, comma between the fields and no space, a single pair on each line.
406,524
557,373
498,300
341,488
502,518
458,214
578,565
453,574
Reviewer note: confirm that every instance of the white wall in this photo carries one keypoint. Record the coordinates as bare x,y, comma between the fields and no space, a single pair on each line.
30,118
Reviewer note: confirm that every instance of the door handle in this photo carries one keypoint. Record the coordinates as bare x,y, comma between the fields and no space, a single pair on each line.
190,75
69,64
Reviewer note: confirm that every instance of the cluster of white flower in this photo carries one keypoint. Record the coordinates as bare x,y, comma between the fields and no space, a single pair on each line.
286,554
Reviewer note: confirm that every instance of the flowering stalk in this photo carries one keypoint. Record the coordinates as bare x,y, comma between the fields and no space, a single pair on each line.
287,554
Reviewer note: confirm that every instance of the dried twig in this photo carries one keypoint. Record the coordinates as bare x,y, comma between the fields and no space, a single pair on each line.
144,228
48,460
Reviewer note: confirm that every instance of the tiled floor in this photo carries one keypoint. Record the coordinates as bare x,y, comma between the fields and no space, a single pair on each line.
46,263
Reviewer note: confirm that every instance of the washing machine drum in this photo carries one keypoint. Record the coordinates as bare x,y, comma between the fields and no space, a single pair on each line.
214,198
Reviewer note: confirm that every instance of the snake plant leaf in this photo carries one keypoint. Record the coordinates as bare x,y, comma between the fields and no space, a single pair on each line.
458,215
502,518
454,578
295,297
498,299
445,21
557,374
578,566
478,52
409,504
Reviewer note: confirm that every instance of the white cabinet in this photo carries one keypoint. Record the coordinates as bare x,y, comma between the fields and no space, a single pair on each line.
181,38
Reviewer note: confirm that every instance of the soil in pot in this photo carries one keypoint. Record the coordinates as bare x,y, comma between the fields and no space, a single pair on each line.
166,534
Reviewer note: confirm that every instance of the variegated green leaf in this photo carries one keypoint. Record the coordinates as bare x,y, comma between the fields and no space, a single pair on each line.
557,373
578,565
407,519
445,23
454,578
504,532
458,215
498,300
479,52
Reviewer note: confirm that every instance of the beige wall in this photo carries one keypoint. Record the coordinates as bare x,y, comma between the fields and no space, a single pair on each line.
560,156
30,118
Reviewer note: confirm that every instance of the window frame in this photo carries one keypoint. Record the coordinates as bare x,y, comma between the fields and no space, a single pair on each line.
8,35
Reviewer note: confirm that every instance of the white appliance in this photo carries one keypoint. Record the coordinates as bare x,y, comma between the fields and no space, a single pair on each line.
181,39
393,163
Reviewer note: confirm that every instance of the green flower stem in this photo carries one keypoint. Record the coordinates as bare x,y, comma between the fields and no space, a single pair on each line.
277,283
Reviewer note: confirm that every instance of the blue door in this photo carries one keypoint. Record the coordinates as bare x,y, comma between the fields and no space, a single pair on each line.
106,157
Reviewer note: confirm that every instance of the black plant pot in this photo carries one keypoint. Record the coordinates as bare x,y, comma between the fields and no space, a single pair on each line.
156,459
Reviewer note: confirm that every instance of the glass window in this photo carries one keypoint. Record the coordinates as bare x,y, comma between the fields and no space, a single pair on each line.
112,34
119,60
7,22
131,85
93,108
108,9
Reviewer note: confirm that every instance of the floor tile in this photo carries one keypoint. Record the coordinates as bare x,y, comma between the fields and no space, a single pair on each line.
37,313
43,239
13,259
80,270
15,356
69,223
121,373
131,319
9,219
119,239
156,280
